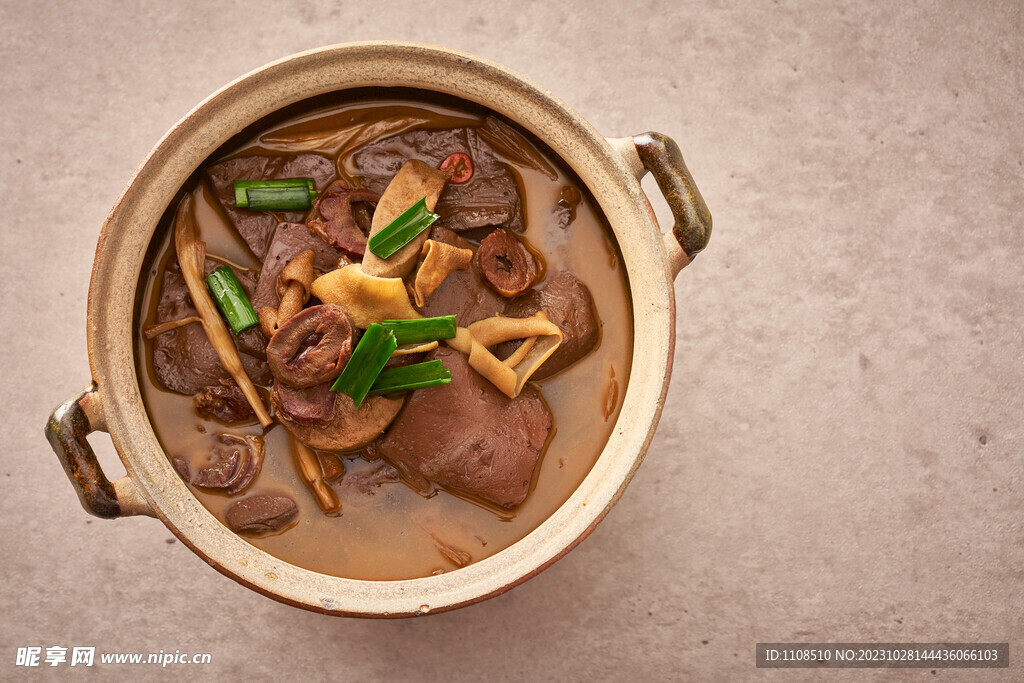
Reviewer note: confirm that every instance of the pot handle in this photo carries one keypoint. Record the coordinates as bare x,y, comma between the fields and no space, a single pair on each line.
66,430
660,155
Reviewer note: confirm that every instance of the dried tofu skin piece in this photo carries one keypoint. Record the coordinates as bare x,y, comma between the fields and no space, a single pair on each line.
541,338
414,181
367,298
406,349
439,260
520,353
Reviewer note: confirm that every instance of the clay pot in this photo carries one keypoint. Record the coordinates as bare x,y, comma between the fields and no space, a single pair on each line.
611,169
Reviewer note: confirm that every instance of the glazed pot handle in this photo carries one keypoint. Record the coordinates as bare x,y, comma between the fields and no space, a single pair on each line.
66,430
660,155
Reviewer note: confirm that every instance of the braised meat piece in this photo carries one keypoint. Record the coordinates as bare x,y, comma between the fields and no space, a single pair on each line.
489,198
564,210
229,463
463,293
507,265
224,402
256,227
261,514
311,406
568,304
469,437
289,240
337,214
312,347
183,359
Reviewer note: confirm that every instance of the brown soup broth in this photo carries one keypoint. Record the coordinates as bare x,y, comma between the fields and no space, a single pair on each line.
391,531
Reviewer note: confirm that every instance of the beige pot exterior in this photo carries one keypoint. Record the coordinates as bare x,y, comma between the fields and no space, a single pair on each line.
610,169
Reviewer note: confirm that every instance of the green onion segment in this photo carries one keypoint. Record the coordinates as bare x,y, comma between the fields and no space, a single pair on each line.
366,362
231,299
402,230
275,195
419,330
408,377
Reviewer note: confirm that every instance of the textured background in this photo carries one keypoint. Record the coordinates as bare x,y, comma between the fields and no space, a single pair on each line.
840,455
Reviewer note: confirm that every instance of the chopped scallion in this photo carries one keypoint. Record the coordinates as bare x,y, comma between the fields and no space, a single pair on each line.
421,330
279,199
231,299
408,377
366,362
402,230
242,198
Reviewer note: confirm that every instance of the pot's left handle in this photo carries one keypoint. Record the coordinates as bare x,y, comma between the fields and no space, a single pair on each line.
66,430
660,155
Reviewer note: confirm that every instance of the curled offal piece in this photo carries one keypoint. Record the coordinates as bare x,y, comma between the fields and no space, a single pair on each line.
232,462
312,347
294,286
345,428
508,266
334,217
439,260
367,298
191,253
541,337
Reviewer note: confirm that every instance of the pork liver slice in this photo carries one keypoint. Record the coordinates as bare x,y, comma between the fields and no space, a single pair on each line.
489,198
257,227
568,303
469,437
290,239
183,359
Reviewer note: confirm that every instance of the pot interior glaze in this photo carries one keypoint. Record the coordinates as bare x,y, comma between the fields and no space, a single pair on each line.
609,173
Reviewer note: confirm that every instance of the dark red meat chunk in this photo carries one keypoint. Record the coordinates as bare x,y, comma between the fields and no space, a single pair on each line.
342,217
469,437
256,227
564,210
183,359
261,514
490,198
229,463
224,402
310,406
567,303
289,240
312,347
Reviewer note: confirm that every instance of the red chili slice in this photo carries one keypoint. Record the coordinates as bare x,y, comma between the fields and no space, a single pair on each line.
459,167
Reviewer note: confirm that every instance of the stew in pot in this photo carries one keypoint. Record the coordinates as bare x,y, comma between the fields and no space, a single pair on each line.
384,338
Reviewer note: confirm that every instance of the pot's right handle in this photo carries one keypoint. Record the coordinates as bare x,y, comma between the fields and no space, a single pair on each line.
660,155
66,430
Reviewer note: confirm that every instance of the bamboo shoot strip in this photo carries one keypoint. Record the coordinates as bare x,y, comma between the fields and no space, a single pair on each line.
422,329
402,230
406,378
366,362
312,474
191,256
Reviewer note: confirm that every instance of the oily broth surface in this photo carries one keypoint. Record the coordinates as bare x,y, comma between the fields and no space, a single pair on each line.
392,532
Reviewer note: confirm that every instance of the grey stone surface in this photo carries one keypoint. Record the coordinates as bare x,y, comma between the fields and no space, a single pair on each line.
840,457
